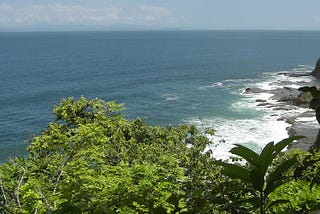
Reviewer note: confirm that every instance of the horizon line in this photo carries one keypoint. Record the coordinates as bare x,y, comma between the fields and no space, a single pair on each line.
145,30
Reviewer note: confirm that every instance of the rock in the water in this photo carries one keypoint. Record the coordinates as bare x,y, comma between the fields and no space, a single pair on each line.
261,100
284,108
303,99
253,90
310,134
296,74
316,71
286,98
264,104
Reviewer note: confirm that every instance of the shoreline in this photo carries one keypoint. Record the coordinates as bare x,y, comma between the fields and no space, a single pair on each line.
288,104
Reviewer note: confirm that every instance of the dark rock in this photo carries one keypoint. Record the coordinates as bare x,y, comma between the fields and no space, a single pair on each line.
308,114
316,71
290,120
289,88
310,134
297,74
303,99
261,100
300,74
253,90
285,95
286,98
284,108
263,104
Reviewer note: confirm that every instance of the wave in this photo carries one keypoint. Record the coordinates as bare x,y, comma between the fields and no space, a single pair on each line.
170,97
254,133
227,84
264,124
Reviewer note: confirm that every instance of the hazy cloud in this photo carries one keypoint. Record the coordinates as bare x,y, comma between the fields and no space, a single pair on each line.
152,13
57,13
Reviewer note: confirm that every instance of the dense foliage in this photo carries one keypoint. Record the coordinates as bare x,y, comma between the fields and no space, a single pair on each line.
92,160
257,174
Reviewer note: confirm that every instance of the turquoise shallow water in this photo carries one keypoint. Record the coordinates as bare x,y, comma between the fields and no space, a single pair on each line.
163,77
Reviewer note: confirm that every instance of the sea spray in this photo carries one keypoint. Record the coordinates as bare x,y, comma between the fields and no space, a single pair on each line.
264,116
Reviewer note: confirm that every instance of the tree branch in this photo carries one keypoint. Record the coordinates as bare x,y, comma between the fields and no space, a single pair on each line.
2,190
19,185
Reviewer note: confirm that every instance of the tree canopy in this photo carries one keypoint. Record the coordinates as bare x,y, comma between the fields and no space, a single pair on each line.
90,159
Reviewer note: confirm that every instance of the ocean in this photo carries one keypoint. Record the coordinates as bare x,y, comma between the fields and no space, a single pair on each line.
164,77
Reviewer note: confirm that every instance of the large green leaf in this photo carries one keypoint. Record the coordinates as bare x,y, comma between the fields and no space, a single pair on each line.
256,179
272,186
265,158
235,171
245,153
282,144
277,173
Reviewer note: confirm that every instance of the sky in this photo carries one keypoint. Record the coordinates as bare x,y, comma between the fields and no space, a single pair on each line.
55,15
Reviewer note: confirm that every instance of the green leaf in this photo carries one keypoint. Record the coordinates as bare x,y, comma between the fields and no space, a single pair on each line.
276,202
255,201
277,173
283,143
245,153
67,207
235,171
257,179
265,159
272,186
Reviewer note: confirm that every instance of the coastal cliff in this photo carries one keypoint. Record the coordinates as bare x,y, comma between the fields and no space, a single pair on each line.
316,71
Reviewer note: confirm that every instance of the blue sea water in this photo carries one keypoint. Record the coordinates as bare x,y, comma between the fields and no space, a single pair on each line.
164,77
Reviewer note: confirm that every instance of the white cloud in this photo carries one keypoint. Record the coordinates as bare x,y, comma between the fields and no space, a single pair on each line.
6,7
58,13
159,11
154,14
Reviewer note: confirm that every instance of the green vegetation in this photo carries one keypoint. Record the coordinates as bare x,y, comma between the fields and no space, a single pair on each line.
92,160
257,175
315,102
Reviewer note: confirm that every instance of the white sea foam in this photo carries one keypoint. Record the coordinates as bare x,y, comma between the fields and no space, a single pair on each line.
226,84
260,130
253,133
213,85
170,97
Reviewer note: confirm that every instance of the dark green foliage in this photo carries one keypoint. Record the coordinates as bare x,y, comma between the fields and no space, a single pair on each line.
302,196
315,102
92,160
309,168
256,174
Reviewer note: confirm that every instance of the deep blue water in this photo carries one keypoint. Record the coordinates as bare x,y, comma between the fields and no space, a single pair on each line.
157,75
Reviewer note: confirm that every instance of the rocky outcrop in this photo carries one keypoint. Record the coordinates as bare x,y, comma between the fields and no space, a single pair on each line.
310,136
316,71
303,99
287,101
253,90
